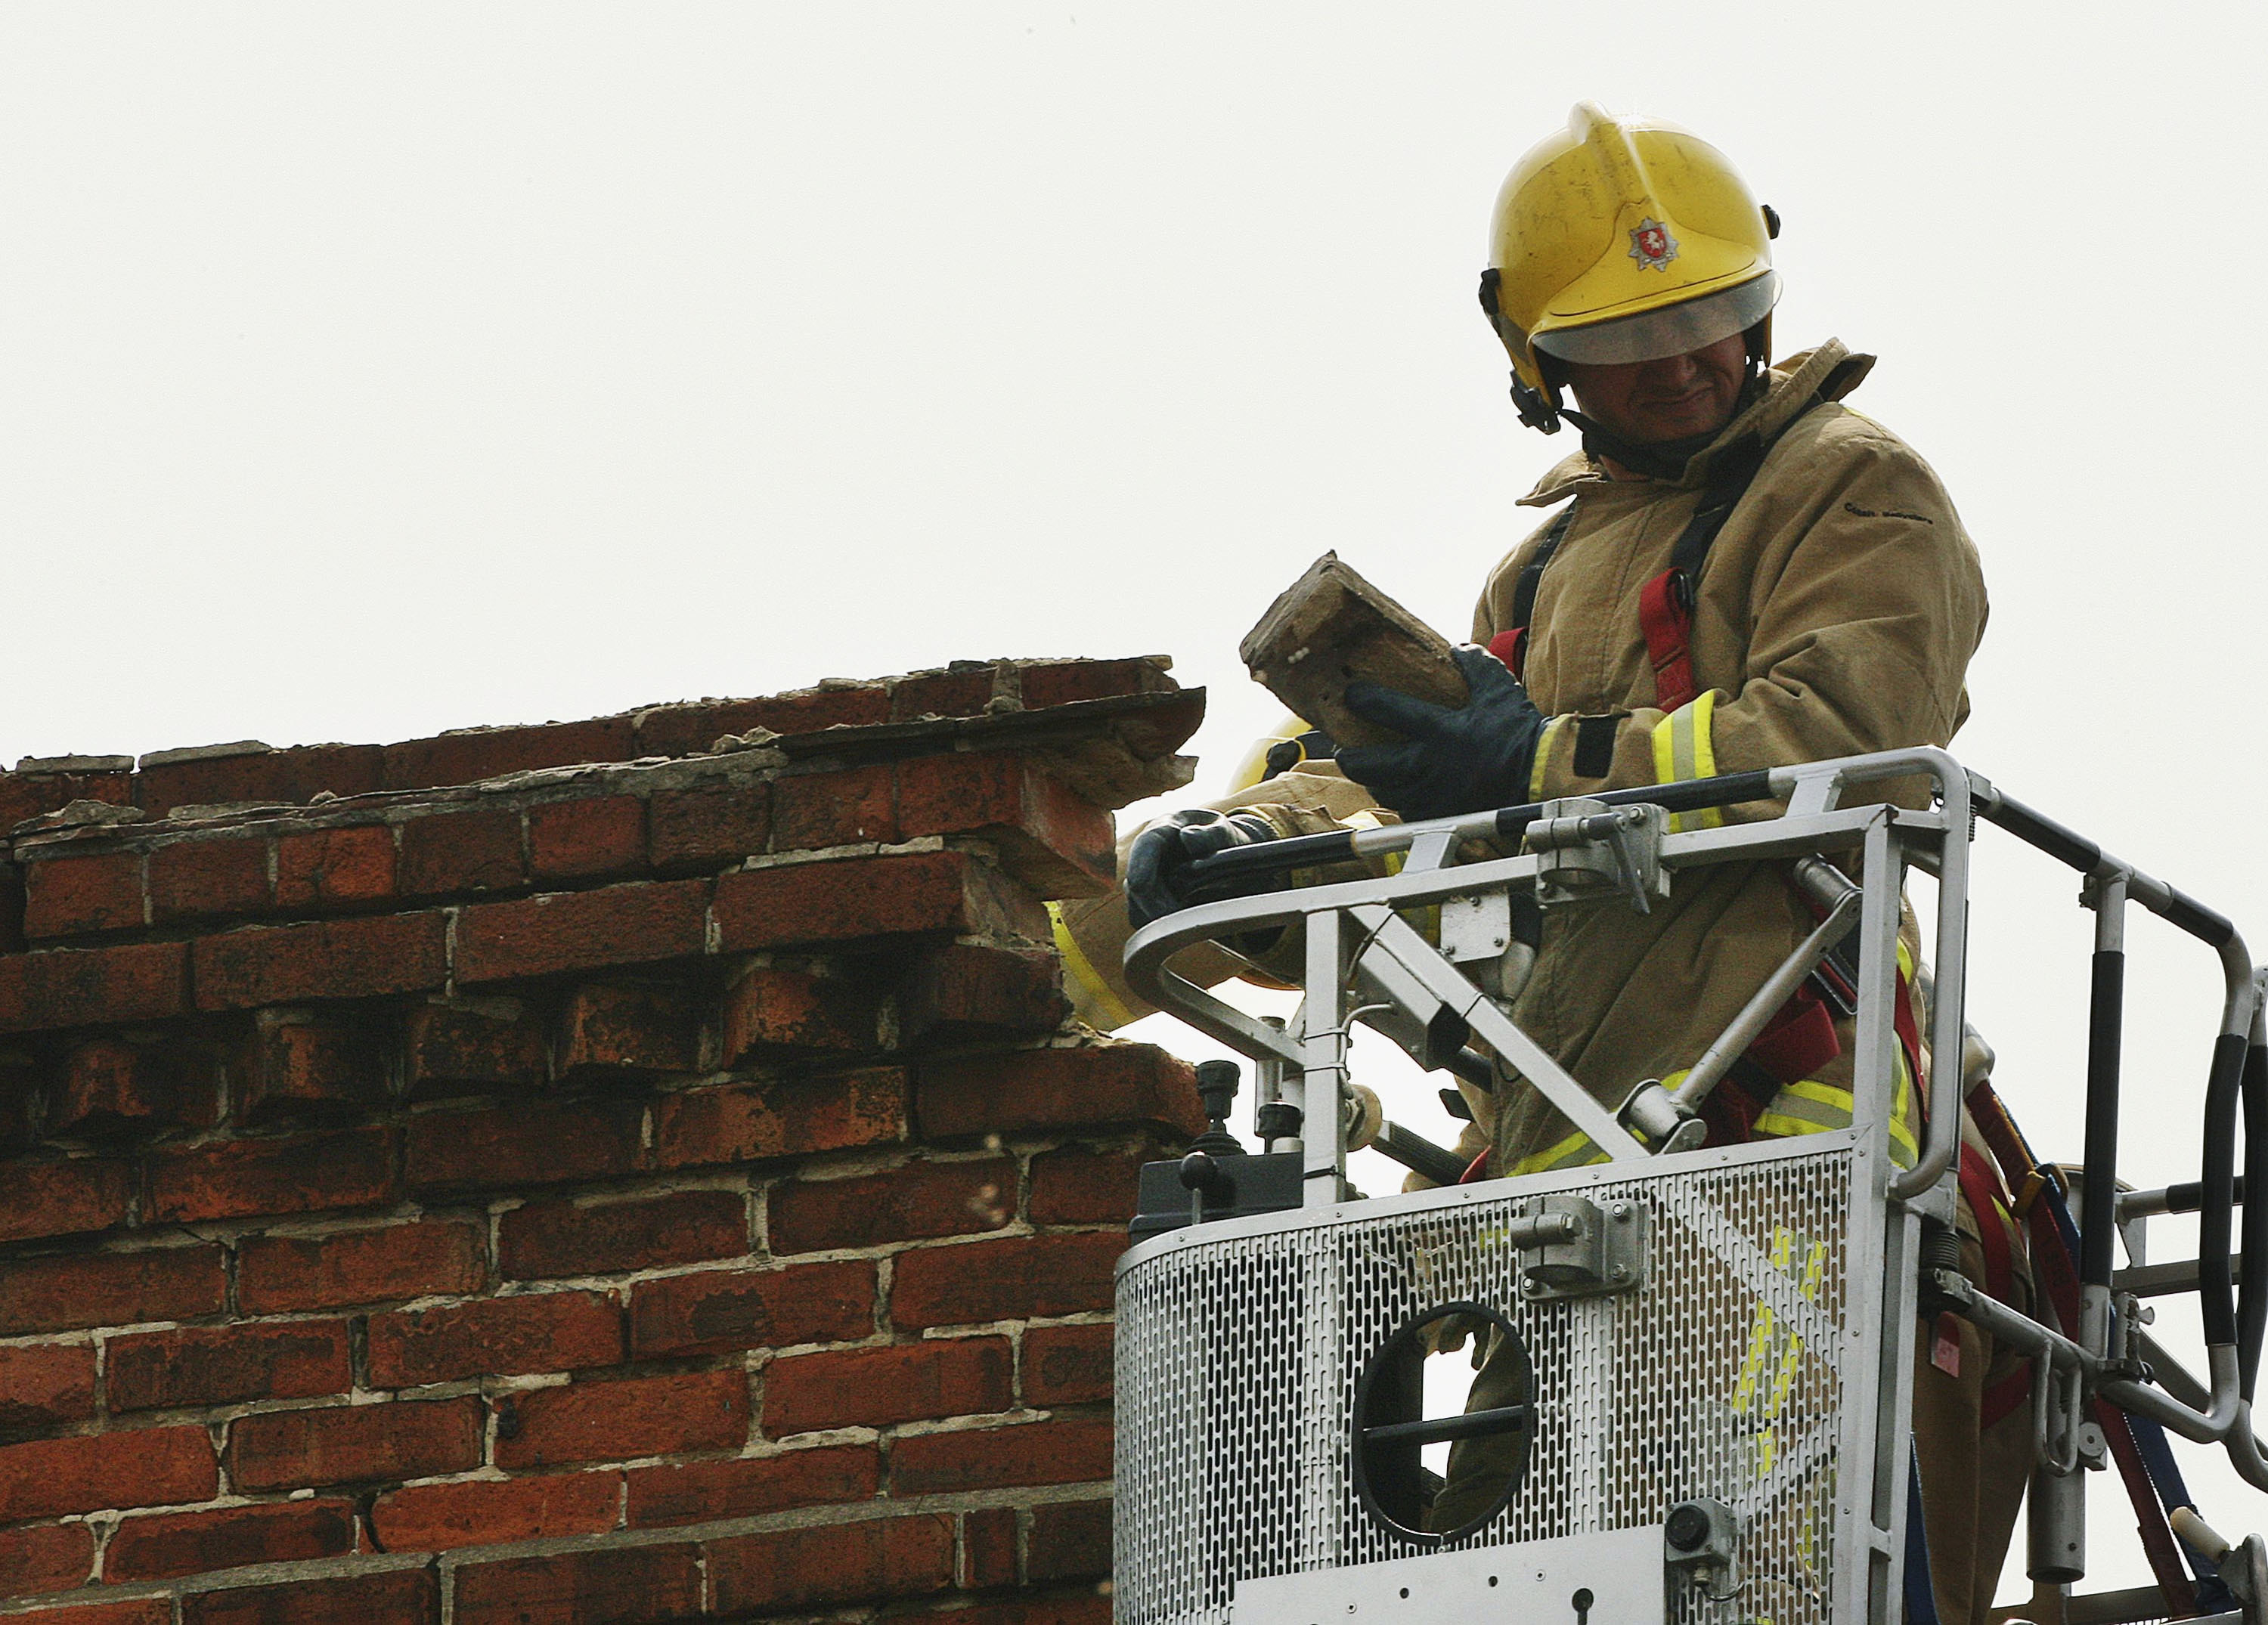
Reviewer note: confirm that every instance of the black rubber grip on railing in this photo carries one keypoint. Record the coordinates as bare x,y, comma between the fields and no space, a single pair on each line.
1264,857
2105,1014
1725,790
1468,1424
2252,1290
2215,1304
1420,1155
2041,831
2189,1195
2213,930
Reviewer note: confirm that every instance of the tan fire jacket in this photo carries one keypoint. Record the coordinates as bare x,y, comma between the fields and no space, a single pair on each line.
1836,613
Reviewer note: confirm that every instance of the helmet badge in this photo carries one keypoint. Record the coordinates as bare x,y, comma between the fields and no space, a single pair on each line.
1652,245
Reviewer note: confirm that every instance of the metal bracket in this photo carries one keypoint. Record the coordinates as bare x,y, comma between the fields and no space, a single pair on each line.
1588,850
1478,926
1603,1251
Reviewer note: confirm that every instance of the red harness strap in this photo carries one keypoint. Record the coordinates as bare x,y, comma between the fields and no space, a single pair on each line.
1665,612
1506,647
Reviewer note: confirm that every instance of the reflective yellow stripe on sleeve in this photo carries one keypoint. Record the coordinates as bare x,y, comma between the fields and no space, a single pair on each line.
1090,982
1546,743
1684,749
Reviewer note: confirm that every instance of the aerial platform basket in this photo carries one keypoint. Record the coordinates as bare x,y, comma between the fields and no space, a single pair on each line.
1699,1408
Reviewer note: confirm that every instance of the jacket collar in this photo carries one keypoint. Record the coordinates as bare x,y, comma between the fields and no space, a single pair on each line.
1830,371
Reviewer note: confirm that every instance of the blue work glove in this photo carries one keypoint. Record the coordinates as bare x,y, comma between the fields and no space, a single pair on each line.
1157,867
1468,760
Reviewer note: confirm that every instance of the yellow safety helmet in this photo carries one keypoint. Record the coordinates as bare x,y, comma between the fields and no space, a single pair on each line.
1620,240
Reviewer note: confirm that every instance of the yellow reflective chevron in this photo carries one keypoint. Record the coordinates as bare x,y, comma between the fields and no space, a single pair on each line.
1682,750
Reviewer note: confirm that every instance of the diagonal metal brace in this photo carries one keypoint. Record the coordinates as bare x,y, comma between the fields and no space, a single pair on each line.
1391,943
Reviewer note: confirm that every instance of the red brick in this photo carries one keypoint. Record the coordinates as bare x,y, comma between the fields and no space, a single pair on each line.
435,1518
780,1117
568,1239
812,810
779,1010
87,986
21,1078
317,869
631,1416
683,729
844,899
1079,1186
399,1596
1062,682
918,1201
504,1336
471,1046
708,826
96,892
167,1544
526,1145
305,1066
719,1310
840,1563
44,1385
145,1467
141,1611
446,853
85,1194
1067,1365
1010,1279
960,991
592,835
279,1274
212,1365
1096,1084
477,754
1070,1541
873,1387
46,1557
296,774
987,1548
112,1086
629,1029
302,1173
109,1289
635,924
1055,840
196,880
353,1443
32,795
613,1585
1068,1450
807,1569
701,1492
321,960
953,693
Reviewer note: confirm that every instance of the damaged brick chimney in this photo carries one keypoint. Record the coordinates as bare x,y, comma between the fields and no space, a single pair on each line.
633,1169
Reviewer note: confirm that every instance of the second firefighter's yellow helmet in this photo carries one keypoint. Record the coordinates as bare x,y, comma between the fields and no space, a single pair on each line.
1619,240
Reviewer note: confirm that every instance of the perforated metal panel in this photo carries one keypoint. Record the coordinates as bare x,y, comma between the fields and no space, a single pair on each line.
1239,1353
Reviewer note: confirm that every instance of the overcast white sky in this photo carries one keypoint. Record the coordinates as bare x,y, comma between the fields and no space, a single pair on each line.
369,369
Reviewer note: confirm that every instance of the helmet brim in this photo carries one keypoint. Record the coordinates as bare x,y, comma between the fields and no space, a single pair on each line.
1671,330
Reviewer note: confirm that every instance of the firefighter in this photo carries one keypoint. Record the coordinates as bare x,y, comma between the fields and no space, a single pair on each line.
1739,572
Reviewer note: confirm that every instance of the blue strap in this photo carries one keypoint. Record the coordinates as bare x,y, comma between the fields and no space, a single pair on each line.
1921,1594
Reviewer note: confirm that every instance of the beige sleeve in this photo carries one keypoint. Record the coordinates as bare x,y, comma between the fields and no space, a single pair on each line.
1091,932
1863,630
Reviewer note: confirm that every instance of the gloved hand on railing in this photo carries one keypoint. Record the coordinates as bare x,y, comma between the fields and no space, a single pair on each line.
1471,758
1157,867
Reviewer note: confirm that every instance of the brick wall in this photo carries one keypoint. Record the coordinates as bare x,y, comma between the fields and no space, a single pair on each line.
618,1171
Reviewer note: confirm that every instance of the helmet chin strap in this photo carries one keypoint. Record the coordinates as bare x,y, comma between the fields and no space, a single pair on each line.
1664,460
